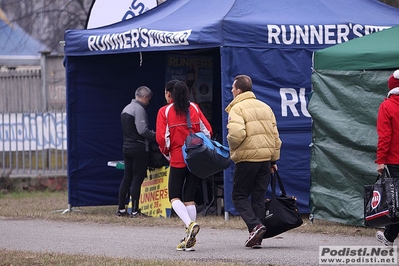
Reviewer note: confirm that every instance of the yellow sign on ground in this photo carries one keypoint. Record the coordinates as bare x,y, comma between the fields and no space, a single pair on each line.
154,196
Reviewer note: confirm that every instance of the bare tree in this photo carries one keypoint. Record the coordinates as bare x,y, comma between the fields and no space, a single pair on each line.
47,20
394,3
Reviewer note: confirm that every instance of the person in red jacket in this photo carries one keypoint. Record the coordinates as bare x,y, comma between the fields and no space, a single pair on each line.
388,145
171,132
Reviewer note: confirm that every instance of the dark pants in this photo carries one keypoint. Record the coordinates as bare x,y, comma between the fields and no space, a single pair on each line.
182,184
251,179
391,231
136,164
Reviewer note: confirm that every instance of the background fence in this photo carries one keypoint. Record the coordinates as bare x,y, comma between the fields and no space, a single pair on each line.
33,143
21,91
33,138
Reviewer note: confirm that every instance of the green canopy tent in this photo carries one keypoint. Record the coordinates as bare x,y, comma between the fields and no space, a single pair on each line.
349,82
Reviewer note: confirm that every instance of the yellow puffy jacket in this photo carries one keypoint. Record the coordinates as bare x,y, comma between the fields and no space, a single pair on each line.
252,130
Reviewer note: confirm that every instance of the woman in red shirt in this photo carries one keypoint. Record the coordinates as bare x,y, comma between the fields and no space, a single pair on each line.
388,145
171,132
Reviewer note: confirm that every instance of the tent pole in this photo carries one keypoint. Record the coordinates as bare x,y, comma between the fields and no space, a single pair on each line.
226,216
69,209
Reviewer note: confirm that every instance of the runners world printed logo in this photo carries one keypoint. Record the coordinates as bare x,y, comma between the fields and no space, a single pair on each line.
376,199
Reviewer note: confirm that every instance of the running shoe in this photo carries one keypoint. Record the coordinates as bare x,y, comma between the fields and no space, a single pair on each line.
121,214
138,214
255,236
381,237
182,246
192,230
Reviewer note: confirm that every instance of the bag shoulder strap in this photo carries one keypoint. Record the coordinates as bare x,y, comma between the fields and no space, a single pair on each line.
188,116
273,184
280,183
274,179
188,119
386,171
385,174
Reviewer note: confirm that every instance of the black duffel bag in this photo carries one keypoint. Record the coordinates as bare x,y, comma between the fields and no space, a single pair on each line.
281,212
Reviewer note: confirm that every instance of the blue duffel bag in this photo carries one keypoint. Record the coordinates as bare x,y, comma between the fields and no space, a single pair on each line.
205,157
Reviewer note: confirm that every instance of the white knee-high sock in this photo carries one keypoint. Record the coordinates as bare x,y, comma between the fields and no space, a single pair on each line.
181,211
192,212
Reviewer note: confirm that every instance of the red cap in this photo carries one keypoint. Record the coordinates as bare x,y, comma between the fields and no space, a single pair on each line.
393,80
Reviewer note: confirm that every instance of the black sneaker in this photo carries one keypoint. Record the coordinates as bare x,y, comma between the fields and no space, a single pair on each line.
138,214
121,214
255,236
257,245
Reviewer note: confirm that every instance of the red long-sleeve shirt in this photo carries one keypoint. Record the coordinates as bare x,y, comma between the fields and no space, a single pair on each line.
172,130
388,131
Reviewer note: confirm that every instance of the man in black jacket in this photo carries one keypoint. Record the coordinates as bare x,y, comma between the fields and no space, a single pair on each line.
136,139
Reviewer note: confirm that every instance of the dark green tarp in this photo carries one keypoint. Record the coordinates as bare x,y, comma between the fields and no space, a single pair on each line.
376,51
349,83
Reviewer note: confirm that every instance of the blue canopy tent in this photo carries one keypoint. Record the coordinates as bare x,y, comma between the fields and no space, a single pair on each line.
271,41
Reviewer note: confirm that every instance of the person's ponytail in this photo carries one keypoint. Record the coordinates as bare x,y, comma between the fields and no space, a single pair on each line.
180,97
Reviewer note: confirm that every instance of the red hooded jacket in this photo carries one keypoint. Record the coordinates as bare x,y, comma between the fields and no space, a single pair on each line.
172,130
388,131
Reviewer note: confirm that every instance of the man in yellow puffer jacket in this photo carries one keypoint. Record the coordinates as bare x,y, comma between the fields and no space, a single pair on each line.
254,147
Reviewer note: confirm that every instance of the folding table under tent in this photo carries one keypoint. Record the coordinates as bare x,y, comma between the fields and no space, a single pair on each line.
271,41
